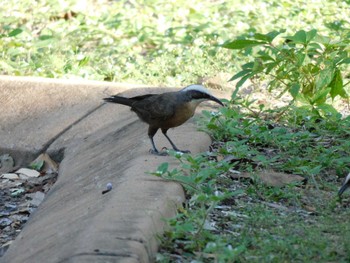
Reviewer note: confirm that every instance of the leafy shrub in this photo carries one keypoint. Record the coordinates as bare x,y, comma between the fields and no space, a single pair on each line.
306,64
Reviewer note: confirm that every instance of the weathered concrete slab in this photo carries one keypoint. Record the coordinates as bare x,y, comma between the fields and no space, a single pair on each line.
76,222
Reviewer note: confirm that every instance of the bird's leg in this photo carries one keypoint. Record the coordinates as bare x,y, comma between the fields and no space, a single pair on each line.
151,132
164,131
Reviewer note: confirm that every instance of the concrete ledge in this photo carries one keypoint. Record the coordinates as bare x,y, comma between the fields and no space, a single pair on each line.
76,222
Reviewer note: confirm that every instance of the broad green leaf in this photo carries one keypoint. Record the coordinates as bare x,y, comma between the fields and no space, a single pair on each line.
327,109
314,48
294,90
324,78
322,39
310,35
300,58
15,32
242,44
320,96
269,37
337,86
185,179
298,37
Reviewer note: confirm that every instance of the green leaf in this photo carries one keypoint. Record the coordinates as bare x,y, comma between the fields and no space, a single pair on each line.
320,96
322,39
248,66
258,66
299,37
327,109
243,79
269,37
163,168
294,90
324,78
44,37
212,126
300,58
240,74
270,66
15,32
310,35
266,57
337,86
345,61
242,44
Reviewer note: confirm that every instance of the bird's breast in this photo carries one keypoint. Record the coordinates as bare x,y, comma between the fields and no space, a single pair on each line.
182,114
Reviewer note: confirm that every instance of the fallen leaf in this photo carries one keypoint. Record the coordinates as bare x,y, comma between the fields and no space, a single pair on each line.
28,172
11,176
23,177
47,164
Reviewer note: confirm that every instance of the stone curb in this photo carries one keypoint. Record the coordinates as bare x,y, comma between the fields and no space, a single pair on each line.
76,222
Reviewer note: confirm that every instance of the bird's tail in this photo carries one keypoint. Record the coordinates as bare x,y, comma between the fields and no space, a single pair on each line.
119,100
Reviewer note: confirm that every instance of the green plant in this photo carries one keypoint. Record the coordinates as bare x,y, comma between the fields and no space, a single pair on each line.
306,64
192,225
309,147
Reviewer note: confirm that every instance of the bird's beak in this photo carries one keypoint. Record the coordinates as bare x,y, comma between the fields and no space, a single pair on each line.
215,99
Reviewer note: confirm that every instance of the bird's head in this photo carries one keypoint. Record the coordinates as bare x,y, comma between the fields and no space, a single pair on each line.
199,93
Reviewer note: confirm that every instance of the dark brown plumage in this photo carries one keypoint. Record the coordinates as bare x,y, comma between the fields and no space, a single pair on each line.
166,110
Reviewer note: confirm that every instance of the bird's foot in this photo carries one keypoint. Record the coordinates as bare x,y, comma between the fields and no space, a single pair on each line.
156,152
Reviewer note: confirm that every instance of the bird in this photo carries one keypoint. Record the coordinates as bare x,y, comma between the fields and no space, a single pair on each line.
166,110
345,185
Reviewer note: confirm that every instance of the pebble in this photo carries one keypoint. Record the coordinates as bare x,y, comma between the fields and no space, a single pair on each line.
108,188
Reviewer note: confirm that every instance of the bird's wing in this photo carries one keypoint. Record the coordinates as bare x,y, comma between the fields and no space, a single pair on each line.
156,106
142,97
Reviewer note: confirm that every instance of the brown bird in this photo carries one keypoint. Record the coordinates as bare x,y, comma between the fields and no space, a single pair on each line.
166,110
345,185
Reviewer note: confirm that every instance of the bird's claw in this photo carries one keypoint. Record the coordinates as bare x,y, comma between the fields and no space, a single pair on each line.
156,152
